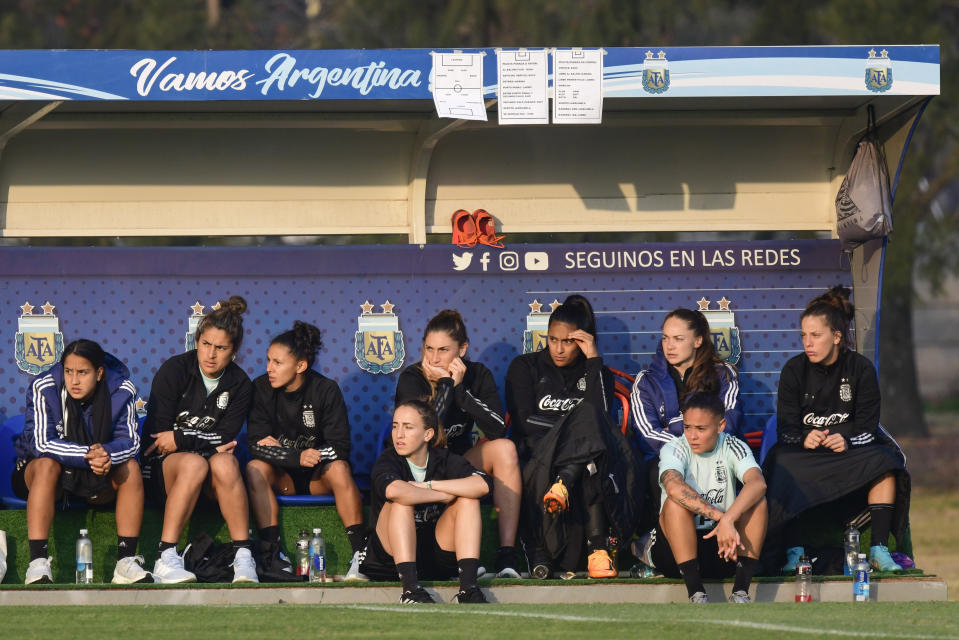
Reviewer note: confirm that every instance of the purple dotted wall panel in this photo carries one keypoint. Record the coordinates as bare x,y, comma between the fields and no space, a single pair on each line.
137,304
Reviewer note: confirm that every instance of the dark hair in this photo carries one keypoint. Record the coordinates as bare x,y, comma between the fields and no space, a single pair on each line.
227,318
576,311
429,417
450,322
836,311
706,401
703,376
85,349
303,341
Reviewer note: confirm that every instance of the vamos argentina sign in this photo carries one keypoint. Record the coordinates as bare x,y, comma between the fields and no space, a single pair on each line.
404,74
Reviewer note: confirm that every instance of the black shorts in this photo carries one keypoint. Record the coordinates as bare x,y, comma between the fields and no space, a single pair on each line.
432,562
707,551
154,487
303,476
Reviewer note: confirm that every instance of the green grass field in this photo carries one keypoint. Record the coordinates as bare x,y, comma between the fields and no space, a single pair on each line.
920,621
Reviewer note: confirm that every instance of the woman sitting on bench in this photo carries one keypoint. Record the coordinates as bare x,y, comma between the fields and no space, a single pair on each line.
299,437
426,510
80,438
830,443
579,473
463,393
197,406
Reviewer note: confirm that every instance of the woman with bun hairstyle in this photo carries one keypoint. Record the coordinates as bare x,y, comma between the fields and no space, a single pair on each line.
425,509
198,403
579,472
830,443
685,362
299,437
80,438
463,393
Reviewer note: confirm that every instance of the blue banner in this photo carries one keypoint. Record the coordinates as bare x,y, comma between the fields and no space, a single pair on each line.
404,74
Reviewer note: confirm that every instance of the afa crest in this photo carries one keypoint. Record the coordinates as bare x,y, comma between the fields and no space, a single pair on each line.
39,342
189,342
537,324
655,73
379,341
722,326
878,71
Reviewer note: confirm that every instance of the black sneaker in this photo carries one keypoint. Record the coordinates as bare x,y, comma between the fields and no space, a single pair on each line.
473,595
416,596
506,563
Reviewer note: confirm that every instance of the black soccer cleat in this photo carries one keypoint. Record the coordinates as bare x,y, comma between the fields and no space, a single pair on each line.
418,595
473,595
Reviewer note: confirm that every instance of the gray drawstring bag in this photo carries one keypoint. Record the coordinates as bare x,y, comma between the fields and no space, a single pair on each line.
864,203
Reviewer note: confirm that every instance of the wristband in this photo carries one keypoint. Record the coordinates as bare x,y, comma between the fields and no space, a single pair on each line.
429,485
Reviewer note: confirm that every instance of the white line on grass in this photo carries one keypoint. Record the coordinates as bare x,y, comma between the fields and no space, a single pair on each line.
728,623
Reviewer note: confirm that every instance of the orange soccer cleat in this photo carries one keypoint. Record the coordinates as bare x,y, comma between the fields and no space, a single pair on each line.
557,498
486,229
464,229
600,565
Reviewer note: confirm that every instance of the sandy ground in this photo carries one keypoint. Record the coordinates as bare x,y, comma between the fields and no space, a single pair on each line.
934,465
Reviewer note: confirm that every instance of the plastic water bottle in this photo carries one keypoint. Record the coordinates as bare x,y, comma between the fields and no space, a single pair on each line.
804,580
84,558
860,583
850,543
317,557
303,554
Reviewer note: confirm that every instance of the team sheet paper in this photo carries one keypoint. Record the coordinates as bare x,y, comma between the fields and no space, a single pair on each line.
521,87
458,85
578,86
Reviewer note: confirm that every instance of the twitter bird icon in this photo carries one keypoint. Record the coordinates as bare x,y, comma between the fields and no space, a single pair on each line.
462,262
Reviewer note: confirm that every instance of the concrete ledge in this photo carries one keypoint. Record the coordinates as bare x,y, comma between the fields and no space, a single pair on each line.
884,590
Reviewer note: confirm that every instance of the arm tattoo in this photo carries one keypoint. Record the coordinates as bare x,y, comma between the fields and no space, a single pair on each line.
688,498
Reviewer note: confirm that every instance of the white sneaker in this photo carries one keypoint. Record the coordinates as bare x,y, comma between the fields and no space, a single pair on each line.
39,572
130,570
354,575
169,568
3,554
244,568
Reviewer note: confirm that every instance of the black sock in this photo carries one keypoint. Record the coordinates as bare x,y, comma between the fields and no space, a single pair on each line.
270,533
163,546
468,568
357,536
38,549
881,515
242,544
597,530
745,568
408,575
126,546
690,571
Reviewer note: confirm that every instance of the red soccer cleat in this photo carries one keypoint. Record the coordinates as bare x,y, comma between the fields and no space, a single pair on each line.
464,229
486,229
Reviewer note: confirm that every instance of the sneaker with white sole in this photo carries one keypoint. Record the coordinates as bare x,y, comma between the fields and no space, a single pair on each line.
39,572
244,568
354,575
130,570
168,568
506,563
699,597
739,597
792,559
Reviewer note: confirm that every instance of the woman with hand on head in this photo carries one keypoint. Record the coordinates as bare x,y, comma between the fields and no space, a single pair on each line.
80,437
830,443
197,406
579,473
463,394
425,508
299,437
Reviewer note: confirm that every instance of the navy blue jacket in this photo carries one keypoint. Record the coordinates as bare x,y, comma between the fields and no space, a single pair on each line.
44,426
655,405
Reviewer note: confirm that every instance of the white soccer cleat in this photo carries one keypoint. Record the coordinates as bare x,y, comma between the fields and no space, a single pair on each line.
130,570
244,568
39,572
169,568
354,575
